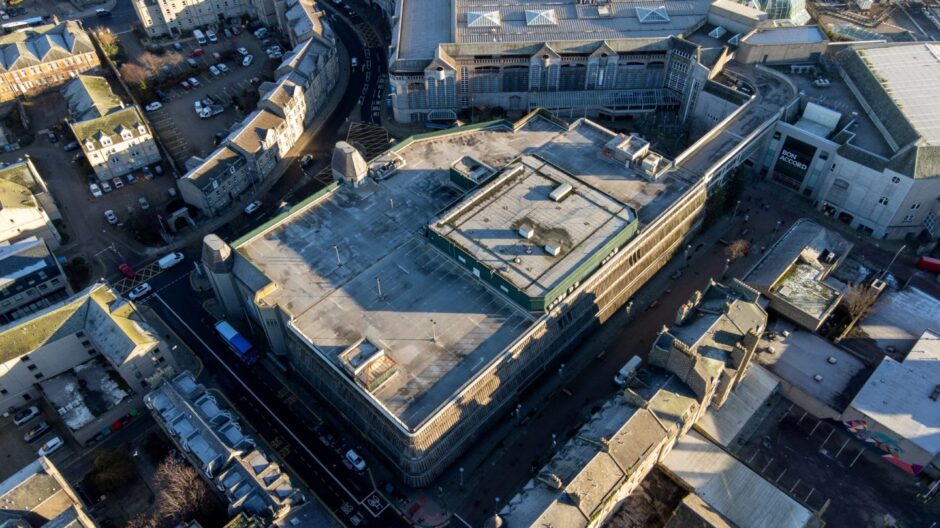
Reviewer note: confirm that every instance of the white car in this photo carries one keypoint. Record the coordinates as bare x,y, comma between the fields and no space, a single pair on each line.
252,207
275,55
26,415
106,187
356,460
95,190
51,446
118,183
193,82
139,291
214,71
222,67
212,36
197,105
154,106
242,51
248,60
111,217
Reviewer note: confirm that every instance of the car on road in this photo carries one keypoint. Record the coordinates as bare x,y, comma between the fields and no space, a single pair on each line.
242,51
139,291
51,446
126,270
252,207
193,82
168,261
154,106
95,190
177,46
356,460
198,52
248,60
214,71
144,204
105,186
111,217
102,13
222,67
38,430
25,415
118,183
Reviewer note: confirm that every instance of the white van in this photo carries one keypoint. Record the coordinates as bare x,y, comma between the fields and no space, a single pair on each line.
627,371
170,260
200,36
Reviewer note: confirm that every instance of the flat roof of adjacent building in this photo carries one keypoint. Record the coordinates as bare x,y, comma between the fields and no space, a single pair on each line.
910,75
896,321
487,225
775,36
798,357
731,488
325,263
38,495
427,23
898,394
724,425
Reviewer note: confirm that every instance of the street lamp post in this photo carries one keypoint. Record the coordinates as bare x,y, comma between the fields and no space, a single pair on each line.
736,205
461,477
887,269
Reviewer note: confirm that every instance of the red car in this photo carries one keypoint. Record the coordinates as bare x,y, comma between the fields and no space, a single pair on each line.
126,270
185,85
198,52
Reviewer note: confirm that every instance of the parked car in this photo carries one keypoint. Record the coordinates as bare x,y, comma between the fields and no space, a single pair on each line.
198,52
118,183
177,46
106,187
227,33
51,446
26,415
144,204
222,67
185,85
193,82
356,460
172,192
145,170
126,270
154,106
236,30
216,56
70,146
214,71
38,430
242,51
212,36
77,157
252,207
53,138
248,60
139,291
163,96
261,33
131,180
192,63
168,261
197,105
157,169
111,217
102,13
95,190
306,160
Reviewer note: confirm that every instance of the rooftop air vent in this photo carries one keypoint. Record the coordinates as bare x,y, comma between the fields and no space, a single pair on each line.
552,250
561,192
526,232
832,360
936,393
817,378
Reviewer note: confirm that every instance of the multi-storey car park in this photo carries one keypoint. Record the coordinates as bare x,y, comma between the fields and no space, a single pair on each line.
422,299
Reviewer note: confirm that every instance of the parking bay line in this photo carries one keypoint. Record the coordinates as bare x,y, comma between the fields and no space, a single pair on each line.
259,400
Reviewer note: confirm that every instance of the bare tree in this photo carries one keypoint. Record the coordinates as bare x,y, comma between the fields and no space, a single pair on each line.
857,300
132,73
737,249
182,493
108,40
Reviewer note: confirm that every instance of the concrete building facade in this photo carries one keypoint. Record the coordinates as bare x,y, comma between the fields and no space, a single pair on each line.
26,206
32,277
178,18
37,59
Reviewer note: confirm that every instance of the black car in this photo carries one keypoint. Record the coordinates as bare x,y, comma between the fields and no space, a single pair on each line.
38,430
70,146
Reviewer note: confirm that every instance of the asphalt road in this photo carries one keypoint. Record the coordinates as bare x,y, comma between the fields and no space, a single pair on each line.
279,417
121,19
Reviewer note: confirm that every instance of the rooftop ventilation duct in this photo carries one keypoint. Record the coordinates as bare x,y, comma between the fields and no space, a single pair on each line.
561,192
552,250
526,232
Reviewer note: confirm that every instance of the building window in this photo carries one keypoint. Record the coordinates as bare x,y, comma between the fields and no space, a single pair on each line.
883,200
3,392
895,179
27,397
908,219
86,344
32,367
38,376
24,359
915,205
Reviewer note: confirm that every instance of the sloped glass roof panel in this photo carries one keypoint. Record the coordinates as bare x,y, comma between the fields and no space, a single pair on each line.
652,15
483,19
540,17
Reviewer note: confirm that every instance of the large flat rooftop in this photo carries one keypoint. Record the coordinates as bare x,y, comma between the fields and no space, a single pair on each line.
489,223
427,23
354,265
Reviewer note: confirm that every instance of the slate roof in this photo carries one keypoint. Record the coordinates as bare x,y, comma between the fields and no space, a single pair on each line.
22,49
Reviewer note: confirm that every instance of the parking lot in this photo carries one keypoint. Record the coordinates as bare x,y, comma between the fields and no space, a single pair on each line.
183,132
17,452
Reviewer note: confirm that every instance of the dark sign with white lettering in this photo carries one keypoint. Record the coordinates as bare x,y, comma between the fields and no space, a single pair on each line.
793,162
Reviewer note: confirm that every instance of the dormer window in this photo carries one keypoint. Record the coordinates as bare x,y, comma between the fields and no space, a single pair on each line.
126,135
89,146
141,129
106,141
